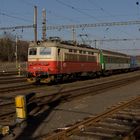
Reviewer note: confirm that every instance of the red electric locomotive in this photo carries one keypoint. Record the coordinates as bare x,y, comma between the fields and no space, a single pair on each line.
54,60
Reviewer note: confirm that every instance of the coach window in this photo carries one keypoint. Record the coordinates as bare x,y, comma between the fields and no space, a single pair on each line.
45,51
84,52
58,51
70,50
32,51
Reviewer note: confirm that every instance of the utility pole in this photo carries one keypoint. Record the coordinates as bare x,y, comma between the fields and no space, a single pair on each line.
44,24
35,23
74,36
16,51
95,43
26,26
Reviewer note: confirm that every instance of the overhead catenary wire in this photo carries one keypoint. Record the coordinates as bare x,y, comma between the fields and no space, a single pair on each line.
76,9
15,17
50,12
27,2
61,16
70,6
106,12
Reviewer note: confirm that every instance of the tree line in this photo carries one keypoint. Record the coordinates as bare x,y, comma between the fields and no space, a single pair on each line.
8,49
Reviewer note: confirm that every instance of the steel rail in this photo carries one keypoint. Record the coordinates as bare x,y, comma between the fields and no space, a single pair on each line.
76,92
64,133
65,95
16,88
12,81
8,73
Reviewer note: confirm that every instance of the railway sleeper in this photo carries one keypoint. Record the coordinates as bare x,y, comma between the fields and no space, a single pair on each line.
117,121
105,131
133,110
129,117
109,131
93,136
115,126
100,133
113,129
130,113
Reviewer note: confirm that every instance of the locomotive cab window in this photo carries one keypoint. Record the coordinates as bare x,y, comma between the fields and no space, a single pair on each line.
45,51
32,51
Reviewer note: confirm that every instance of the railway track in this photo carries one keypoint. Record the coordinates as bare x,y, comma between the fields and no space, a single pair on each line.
63,96
121,122
12,80
8,73
7,113
16,88
20,87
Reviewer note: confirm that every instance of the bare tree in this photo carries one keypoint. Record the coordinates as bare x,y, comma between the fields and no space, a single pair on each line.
8,48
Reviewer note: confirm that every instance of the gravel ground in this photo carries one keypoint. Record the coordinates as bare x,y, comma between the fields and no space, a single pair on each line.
72,111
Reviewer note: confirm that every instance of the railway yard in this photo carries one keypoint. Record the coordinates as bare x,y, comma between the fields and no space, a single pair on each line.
70,73
101,108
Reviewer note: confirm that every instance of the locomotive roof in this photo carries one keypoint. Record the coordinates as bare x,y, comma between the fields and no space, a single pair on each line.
72,45
63,44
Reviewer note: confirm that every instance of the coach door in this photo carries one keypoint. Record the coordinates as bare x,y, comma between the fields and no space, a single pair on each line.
59,60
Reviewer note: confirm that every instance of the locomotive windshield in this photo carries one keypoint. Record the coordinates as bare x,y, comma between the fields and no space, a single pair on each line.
32,51
45,51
